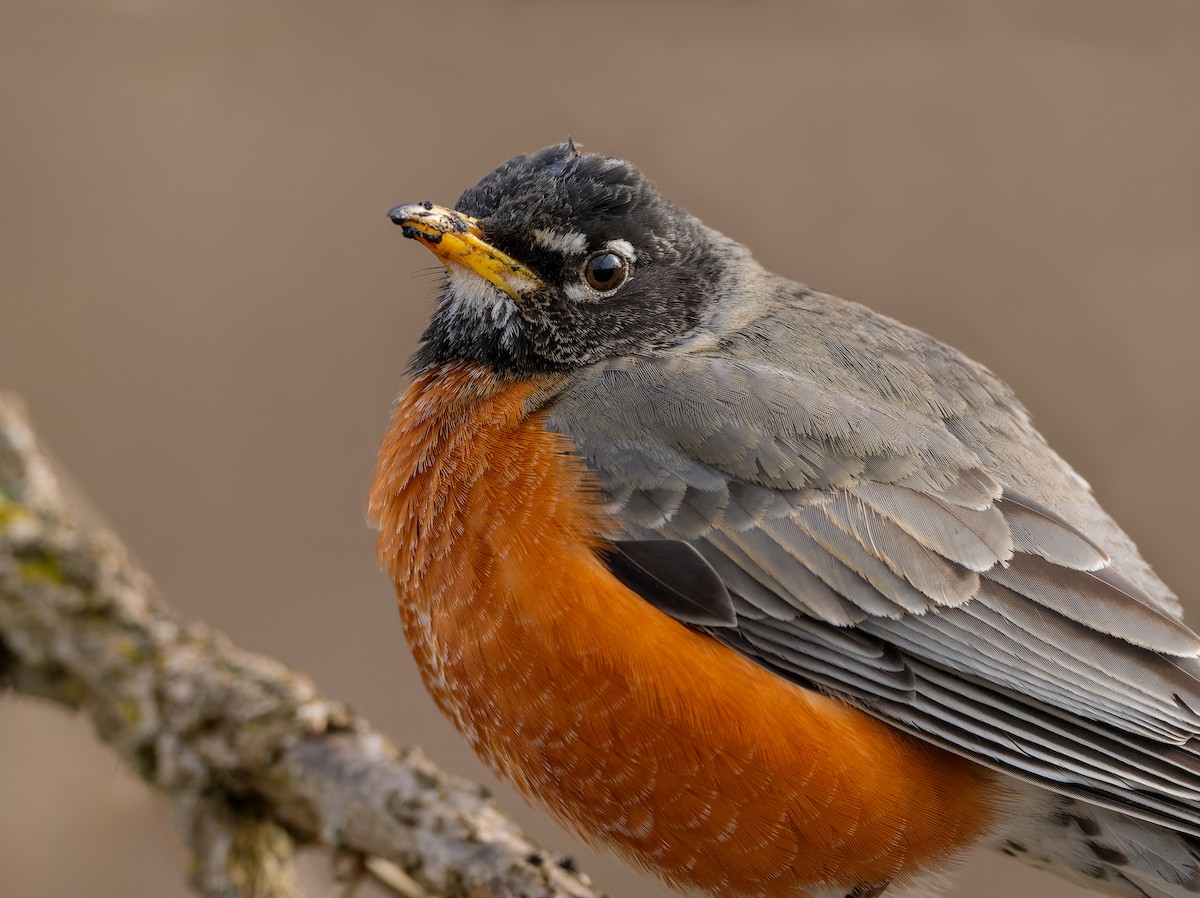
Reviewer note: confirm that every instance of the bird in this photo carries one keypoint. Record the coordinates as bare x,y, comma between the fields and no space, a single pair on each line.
769,593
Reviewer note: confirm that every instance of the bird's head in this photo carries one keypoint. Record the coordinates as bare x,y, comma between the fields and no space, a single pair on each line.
559,259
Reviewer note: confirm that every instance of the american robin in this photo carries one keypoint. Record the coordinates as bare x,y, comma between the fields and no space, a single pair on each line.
768,592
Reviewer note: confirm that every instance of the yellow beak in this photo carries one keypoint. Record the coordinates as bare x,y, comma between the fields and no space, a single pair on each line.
456,240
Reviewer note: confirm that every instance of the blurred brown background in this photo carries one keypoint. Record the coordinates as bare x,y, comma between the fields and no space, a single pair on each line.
209,314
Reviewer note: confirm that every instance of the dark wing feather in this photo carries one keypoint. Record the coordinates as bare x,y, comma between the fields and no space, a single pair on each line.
938,567
674,578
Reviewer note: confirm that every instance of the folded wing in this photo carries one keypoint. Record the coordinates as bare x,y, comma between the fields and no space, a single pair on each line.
875,553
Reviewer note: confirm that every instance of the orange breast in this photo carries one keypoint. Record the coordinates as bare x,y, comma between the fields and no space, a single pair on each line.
691,760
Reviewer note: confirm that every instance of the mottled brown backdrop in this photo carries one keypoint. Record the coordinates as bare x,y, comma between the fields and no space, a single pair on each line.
209,314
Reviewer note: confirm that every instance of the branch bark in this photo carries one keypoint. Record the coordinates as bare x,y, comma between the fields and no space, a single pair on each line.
253,758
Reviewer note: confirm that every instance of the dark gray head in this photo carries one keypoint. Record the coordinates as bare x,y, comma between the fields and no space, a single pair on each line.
558,259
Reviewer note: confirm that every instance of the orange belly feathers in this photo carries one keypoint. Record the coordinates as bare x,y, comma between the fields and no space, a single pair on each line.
638,732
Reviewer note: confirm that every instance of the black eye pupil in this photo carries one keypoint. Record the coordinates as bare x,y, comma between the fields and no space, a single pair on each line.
605,268
605,271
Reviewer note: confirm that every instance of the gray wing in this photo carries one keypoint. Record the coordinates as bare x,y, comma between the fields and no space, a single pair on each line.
929,560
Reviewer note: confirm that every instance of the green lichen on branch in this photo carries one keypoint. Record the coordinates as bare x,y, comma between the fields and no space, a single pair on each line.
253,758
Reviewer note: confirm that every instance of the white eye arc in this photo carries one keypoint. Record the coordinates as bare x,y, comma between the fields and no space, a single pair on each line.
622,248
570,243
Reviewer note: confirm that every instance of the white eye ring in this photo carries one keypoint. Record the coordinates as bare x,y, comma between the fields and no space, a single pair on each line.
605,271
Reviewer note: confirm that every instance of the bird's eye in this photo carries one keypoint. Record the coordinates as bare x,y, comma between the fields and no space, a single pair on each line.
605,271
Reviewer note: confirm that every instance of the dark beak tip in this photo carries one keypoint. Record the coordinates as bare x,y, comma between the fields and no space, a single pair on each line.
405,211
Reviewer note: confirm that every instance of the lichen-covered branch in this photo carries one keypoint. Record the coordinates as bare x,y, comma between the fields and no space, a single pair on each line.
253,758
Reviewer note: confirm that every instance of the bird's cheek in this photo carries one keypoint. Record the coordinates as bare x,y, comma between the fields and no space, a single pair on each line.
578,293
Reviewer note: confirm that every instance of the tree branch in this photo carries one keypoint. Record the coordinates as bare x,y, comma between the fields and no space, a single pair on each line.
253,758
